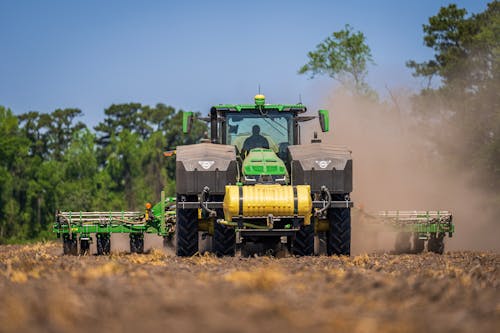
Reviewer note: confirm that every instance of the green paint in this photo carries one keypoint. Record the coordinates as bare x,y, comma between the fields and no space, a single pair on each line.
187,120
324,120
260,162
299,108
426,228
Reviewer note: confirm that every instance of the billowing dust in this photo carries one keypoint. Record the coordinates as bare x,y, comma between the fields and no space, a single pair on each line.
396,167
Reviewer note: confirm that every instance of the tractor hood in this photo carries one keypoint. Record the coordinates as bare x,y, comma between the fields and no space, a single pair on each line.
264,166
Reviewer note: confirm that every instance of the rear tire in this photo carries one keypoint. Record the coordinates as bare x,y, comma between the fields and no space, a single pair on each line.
136,243
303,244
186,232
338,237
224,240
103,243
70,245
84,247
436,244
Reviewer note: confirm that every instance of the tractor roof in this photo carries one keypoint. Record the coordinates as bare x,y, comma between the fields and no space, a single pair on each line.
279,107
260,105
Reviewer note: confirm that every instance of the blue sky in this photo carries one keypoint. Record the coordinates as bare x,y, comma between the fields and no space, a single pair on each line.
193,54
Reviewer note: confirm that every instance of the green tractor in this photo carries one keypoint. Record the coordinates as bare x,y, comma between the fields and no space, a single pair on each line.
254,185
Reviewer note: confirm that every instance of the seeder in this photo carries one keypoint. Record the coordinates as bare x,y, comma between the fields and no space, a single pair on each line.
77,228
414,228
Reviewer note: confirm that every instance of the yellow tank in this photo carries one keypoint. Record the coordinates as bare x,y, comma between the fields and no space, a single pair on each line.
261,200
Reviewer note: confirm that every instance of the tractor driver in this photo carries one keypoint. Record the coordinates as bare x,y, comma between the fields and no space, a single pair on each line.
255,140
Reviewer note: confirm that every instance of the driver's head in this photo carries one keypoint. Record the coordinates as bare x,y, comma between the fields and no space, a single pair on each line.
255,129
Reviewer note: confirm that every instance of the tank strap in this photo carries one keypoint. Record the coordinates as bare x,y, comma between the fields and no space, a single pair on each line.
295,201
240,209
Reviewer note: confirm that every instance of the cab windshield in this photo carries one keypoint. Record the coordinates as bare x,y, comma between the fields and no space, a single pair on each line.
276,127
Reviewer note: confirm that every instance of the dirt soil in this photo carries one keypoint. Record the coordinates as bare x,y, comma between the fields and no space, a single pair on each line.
43,291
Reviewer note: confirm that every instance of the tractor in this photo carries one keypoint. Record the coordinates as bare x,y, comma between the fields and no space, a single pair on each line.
254,186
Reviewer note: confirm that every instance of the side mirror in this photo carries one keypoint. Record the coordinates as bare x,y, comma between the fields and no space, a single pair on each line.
187,121
324,120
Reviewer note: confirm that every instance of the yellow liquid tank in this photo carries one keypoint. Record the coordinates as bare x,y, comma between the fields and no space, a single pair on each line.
261,200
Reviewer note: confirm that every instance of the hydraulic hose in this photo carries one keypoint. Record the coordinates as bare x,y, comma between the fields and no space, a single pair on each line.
325,190
203,202
246,224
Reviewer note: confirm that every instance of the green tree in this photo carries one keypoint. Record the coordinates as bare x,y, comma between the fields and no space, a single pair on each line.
343,56
34,126
158,127
121,117
464,47
50,134
466,60
80,173
13,154
61,129
51,161
123,165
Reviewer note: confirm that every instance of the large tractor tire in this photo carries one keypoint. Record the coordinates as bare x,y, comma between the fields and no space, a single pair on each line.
224,240
70,245
436,244
103,243
338,237
186,232
136,243
303,244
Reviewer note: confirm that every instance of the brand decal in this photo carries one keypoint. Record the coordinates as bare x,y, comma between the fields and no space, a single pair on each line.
206,164
323,163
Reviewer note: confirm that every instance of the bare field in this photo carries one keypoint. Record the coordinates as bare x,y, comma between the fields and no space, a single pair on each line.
41,290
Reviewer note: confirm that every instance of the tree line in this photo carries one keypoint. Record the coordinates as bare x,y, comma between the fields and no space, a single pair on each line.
51,161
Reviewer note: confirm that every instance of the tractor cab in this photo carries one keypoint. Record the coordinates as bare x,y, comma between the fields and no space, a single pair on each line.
261,134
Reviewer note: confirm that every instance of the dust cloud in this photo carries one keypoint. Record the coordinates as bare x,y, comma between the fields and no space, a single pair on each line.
396,167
